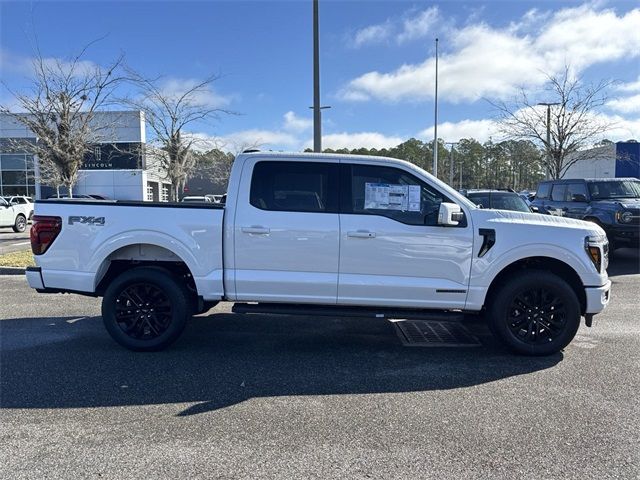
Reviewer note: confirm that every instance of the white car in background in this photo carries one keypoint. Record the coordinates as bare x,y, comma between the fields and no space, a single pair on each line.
24,202
14,216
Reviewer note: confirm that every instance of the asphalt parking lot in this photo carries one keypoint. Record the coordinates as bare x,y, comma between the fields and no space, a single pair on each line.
255,396
13,242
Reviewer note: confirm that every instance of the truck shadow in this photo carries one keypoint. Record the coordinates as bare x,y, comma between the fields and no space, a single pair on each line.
224,359
625,261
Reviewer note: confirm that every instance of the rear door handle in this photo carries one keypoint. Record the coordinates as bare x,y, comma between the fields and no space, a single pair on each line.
361,234
256,230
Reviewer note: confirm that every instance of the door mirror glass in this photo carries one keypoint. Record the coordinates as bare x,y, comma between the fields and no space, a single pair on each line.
534,209
450,214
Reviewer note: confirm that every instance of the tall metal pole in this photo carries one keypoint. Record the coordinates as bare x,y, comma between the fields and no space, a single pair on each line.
435,123
317,113
460,187
548,105
451,161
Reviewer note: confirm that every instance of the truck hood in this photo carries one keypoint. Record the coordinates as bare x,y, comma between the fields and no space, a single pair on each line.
616,203
536,221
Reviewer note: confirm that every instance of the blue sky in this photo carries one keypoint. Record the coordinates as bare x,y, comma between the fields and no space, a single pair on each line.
376,60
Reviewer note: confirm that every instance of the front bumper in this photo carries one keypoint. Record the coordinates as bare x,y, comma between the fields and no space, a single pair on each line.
624,234
597,298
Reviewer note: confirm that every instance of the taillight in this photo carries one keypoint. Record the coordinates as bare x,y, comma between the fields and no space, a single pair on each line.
44,231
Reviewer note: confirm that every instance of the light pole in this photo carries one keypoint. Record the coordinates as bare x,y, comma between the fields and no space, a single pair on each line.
548,105
435,123
451,161
317,109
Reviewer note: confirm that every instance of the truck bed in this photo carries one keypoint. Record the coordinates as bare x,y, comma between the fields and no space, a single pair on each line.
111,230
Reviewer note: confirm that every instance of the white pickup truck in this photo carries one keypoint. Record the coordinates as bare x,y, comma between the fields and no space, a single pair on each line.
337,233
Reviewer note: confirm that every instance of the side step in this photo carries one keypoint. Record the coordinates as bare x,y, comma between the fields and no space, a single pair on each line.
347,311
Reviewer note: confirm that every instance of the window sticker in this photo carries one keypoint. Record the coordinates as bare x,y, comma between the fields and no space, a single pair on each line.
385,196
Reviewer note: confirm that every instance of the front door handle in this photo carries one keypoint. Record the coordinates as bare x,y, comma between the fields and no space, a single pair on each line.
362,234
256,230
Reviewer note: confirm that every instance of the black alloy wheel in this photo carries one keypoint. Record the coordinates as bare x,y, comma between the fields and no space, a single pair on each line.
536,316
146,308
143,311
534,312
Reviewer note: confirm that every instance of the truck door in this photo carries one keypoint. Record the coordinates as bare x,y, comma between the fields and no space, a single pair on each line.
287,231
392,251
576,200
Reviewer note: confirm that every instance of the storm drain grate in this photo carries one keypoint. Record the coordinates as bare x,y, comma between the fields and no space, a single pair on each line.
429,333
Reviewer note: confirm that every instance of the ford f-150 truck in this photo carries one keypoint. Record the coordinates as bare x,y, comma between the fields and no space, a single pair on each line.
332,232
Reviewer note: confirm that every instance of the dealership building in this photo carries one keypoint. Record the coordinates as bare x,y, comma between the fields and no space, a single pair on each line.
616,160
116,166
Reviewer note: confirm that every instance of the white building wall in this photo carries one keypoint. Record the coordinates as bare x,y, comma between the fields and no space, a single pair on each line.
116,184
600,164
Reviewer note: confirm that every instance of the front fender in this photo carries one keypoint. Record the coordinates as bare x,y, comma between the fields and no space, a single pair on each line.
484,270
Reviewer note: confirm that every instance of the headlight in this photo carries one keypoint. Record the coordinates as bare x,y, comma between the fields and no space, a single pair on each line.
624,217
596,248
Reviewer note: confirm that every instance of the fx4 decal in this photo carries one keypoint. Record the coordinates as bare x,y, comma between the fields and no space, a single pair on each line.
99,221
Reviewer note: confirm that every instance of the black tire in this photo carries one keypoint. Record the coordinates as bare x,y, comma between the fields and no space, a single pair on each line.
534,313
20,225
146,309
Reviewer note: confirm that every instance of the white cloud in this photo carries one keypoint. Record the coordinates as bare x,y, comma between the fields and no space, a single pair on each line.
372,34
419,26
10,62
297,124
625,105
481,130
482,61
412,25
357,140
174,88
630,86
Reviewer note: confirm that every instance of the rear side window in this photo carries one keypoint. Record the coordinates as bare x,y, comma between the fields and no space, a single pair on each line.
543,191
392,193
295,187
558,192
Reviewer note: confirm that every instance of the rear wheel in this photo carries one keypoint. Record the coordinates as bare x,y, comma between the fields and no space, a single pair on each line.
20,224
535,313
146,309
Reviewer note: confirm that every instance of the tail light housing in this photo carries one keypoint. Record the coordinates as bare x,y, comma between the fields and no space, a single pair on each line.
44,231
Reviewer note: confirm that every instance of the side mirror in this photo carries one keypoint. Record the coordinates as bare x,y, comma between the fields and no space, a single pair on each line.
534,209
449,214
578,197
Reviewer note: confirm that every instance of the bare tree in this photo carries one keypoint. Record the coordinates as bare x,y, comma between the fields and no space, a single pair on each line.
170,114
575,124
60,110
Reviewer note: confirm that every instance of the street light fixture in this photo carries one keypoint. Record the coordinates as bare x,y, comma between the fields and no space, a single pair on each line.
548,105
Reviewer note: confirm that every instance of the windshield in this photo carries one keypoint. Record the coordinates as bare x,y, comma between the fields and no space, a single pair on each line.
614,189
499,201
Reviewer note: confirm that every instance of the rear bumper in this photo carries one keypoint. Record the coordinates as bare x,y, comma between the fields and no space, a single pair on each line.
597,298
34,278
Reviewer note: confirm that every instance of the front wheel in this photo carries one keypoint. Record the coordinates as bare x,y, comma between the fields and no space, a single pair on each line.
535,313
146,309
20,225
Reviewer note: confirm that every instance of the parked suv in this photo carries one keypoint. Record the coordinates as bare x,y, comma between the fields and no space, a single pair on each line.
612,203
25,202
497,199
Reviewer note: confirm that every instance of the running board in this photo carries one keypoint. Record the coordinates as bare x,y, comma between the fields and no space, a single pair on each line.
347,311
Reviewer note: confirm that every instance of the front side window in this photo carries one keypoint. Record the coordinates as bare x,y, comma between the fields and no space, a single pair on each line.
393,193
574,189
295,186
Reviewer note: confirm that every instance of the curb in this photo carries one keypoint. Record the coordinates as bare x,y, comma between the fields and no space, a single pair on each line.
12,270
